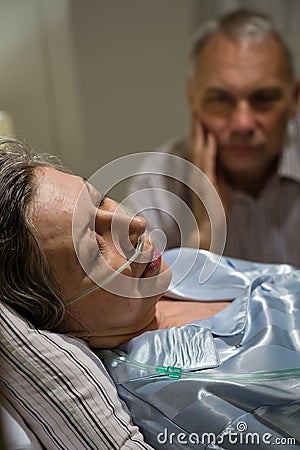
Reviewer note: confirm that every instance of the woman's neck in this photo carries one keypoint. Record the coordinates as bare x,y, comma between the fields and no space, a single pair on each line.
178,313
167,314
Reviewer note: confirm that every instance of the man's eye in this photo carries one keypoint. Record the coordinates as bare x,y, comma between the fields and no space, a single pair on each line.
220,98
219,103
265,99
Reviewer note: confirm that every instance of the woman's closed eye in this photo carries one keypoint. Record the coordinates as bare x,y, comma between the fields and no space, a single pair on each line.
100,242
100,245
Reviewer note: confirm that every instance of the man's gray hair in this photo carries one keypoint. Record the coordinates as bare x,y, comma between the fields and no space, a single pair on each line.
26,283
240,25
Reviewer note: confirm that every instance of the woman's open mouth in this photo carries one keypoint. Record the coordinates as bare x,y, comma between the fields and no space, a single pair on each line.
153,267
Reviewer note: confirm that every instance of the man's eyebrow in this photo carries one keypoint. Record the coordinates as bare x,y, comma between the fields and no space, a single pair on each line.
216,89
274,90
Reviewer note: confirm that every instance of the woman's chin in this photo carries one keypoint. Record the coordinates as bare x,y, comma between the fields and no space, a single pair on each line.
166,272
164,278
156,285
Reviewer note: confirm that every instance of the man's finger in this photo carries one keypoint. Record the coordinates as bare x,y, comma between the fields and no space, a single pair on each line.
209,158
198,143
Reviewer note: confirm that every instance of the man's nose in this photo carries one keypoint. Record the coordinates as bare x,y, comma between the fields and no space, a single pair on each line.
243,118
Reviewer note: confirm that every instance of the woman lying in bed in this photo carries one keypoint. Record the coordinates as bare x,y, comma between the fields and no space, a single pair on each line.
60,237
72,261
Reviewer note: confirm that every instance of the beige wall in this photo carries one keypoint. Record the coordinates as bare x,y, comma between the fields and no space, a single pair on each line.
93,80
131,65
38,86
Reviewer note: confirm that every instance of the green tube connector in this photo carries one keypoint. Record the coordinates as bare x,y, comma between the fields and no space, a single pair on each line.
170,371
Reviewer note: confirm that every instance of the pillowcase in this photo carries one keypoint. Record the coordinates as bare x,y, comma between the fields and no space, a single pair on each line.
61,390
15,435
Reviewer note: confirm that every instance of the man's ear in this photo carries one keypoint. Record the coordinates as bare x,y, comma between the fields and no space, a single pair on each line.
296,97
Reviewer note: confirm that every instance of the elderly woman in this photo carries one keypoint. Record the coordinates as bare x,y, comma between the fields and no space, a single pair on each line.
48,269
73,261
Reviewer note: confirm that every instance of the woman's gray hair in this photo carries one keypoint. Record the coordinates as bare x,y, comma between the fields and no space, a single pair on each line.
26,283
240,25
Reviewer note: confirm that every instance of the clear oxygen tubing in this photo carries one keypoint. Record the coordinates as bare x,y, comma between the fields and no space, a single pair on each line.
137,252
176,373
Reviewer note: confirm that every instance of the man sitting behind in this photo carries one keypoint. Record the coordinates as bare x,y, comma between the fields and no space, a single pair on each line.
243,96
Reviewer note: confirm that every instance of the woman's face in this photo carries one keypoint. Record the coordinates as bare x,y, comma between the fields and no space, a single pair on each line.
88,246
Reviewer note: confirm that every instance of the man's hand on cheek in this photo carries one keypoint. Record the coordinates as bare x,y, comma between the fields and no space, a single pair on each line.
203,154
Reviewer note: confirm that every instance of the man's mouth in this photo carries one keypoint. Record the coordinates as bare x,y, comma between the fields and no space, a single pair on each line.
241,148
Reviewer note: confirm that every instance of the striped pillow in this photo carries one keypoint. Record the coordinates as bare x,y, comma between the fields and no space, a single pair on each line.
61,390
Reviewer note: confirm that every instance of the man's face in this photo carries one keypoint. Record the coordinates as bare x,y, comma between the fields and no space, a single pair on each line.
242,93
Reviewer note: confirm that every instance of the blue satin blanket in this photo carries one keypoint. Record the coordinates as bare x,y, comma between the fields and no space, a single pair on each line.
228,382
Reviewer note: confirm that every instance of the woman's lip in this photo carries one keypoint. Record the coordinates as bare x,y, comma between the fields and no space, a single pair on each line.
153,267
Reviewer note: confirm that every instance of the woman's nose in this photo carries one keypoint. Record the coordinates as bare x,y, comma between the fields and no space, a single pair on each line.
123,227
136,228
